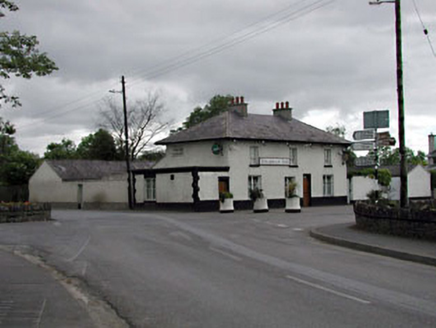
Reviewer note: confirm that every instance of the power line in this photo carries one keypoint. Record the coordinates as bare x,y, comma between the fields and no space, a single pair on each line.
288,13
425,30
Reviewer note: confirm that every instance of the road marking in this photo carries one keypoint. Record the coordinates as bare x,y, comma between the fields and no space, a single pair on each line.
282,225
298,229
84,269
328,290
57,223
71,259
181,234
38,321
233,257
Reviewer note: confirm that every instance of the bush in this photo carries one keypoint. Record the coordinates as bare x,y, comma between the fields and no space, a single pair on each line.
225,195
291,189
256,194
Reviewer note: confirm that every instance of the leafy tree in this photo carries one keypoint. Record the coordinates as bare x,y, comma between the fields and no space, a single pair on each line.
217,104
99,145
338,130
20,56
389,156
66,149
144,121
152,155
18,167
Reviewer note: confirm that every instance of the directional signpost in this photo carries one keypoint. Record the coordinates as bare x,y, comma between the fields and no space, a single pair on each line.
364,134
364,145
377,119
364,161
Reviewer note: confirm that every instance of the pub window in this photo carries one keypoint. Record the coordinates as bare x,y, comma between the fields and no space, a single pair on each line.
254,155
327,182
150,189
327,157
293,157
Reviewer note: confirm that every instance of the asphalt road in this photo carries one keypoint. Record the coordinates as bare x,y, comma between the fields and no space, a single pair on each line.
230,270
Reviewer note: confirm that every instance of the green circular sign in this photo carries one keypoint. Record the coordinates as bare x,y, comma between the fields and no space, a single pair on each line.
216,149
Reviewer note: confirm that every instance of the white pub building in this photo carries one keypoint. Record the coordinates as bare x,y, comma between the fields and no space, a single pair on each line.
237,151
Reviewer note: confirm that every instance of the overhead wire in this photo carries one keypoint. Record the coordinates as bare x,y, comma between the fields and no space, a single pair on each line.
425,30
272,21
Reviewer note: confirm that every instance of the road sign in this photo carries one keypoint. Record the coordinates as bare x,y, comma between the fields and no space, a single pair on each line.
386,142
365,145
364,161
376,119
364,134
383,135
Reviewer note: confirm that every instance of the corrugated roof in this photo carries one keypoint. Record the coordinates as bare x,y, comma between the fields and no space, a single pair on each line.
231,125
70,170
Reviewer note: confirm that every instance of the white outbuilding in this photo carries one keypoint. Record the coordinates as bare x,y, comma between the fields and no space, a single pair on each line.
83,183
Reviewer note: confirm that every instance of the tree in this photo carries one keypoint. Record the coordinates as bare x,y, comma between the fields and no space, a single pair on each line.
66,149
20,56
16,166
389,156
217,104
144,121
98,146
338,130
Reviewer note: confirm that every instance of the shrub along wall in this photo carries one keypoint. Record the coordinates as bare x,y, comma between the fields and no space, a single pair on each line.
24,212
419,221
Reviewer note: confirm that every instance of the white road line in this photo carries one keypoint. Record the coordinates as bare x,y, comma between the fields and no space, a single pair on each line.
233,257
328,290
38,321
71,259
282,225
298,229
84,269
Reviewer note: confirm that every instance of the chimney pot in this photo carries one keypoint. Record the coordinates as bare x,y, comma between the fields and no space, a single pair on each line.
242,100
282,105
277,105
287,104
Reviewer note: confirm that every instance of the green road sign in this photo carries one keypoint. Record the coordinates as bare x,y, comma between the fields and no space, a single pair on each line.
376,119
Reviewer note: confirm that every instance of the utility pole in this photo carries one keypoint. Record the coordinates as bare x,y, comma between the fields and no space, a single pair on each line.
126,144
404,200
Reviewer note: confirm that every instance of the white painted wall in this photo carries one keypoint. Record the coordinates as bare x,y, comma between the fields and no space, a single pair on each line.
310,161
419,184
236,155
361,186
46,186
194,154
178,190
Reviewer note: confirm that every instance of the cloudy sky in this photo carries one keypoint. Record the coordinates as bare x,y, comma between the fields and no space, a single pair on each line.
332,60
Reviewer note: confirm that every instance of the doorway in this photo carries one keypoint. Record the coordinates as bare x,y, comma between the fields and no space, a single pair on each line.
80,196
223,184
307,190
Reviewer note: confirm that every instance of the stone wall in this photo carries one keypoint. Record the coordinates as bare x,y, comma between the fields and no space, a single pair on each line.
24,213
419,221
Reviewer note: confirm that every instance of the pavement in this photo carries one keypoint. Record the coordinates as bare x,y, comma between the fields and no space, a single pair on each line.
30,296
346,235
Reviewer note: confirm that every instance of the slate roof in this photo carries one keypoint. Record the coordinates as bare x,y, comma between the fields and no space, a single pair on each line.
232,125
70,170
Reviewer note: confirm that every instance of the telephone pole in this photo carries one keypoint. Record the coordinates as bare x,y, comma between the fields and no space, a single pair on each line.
404,199
126,143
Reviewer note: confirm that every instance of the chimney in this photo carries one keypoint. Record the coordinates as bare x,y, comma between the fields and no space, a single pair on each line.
431,148
239,106
283,110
